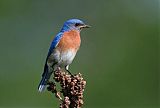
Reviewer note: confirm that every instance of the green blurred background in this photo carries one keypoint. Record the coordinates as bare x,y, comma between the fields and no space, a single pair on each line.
119,56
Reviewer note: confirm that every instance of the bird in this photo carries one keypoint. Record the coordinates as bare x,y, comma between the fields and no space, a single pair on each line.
62,50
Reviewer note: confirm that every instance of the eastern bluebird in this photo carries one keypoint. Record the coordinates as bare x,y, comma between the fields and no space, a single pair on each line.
63,49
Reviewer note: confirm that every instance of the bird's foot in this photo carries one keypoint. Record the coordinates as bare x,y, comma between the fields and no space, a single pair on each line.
70,73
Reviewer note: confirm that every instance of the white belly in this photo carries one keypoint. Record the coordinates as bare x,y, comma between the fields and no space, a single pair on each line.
61,59
66,57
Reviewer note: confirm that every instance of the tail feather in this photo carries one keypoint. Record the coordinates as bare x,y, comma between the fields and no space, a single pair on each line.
42,84
45,77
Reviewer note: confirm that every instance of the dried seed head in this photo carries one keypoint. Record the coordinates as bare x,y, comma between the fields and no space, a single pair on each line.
66,100
72,88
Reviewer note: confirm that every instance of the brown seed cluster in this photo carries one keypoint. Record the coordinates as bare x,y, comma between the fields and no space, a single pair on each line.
72,88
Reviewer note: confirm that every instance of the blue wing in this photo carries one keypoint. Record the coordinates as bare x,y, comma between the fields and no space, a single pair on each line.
46,74
55,43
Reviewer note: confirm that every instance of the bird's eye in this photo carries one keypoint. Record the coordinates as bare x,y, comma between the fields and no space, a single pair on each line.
77,24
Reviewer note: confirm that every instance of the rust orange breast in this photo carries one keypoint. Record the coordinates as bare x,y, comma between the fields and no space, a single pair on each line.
70,41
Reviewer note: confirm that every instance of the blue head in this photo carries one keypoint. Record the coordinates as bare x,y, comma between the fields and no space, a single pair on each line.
74,24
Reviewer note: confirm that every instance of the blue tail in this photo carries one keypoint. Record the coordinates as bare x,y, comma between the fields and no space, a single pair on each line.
45,77
42,84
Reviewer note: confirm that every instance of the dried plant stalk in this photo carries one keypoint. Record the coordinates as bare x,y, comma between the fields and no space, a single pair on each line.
72,88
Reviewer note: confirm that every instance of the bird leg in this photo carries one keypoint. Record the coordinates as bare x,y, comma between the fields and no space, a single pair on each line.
66,68
70,73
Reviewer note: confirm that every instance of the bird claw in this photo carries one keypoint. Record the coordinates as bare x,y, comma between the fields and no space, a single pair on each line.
70,73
